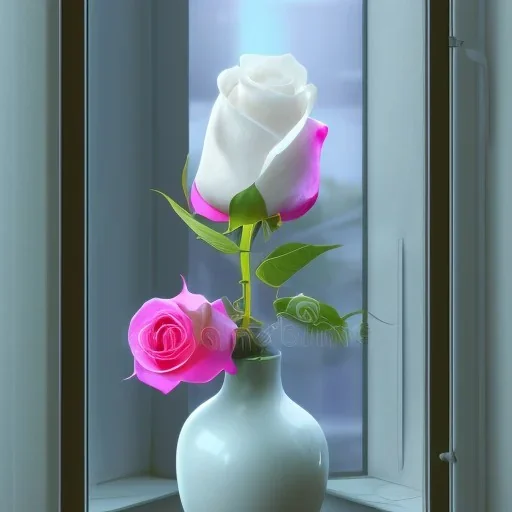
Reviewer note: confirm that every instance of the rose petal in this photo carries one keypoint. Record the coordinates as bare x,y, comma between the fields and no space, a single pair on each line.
225,327
200,317
201,207
234,151
206,366
287,64
164,382
214,353
300,209
190,301
175,353
219,306
158,362
276,111
164,333
270,79
140,325
150,310
290,178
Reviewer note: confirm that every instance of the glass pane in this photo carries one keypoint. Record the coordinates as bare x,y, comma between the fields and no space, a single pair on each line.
119,233
152,82
321,376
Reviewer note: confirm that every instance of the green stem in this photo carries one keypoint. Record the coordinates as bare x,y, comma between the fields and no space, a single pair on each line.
245,265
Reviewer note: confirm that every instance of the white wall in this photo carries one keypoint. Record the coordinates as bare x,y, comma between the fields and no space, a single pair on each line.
499,293
29,286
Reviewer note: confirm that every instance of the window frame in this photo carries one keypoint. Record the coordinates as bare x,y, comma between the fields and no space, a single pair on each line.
73,482
437,495
73,228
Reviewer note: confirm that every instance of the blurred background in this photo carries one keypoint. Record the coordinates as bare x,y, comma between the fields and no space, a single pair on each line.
326,37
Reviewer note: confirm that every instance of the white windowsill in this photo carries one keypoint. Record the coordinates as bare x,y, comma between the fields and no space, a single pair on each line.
128,493
376,493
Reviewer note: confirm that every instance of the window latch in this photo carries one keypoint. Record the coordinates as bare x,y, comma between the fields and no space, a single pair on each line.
448,457
453,42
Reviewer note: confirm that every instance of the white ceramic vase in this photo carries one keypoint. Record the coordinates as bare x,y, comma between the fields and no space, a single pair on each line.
250,448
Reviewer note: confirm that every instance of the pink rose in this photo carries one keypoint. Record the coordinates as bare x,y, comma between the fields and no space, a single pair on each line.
183,339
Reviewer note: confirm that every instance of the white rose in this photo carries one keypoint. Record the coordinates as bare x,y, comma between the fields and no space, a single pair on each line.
260,133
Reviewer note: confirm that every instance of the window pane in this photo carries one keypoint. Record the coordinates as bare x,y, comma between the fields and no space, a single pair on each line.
152,82
324,378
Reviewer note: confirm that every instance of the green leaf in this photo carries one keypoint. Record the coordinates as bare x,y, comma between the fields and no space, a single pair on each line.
308,310
329,318
230,308
283,262
184,182
246,207
271,224
316,316
210,236
281,304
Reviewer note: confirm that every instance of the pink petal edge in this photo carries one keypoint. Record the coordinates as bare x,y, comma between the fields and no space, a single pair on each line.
188,299
301,210
310,187
218,305
164,382
322,132
204,209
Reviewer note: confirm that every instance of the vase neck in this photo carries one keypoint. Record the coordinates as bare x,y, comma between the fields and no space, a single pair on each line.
254,379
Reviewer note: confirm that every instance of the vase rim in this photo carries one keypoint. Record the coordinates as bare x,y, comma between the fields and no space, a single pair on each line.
261,359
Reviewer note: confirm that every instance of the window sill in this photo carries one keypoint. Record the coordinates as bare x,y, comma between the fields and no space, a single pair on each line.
128,493
377,494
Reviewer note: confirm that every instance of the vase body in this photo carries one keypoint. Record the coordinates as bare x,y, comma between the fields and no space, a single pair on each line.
250,448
